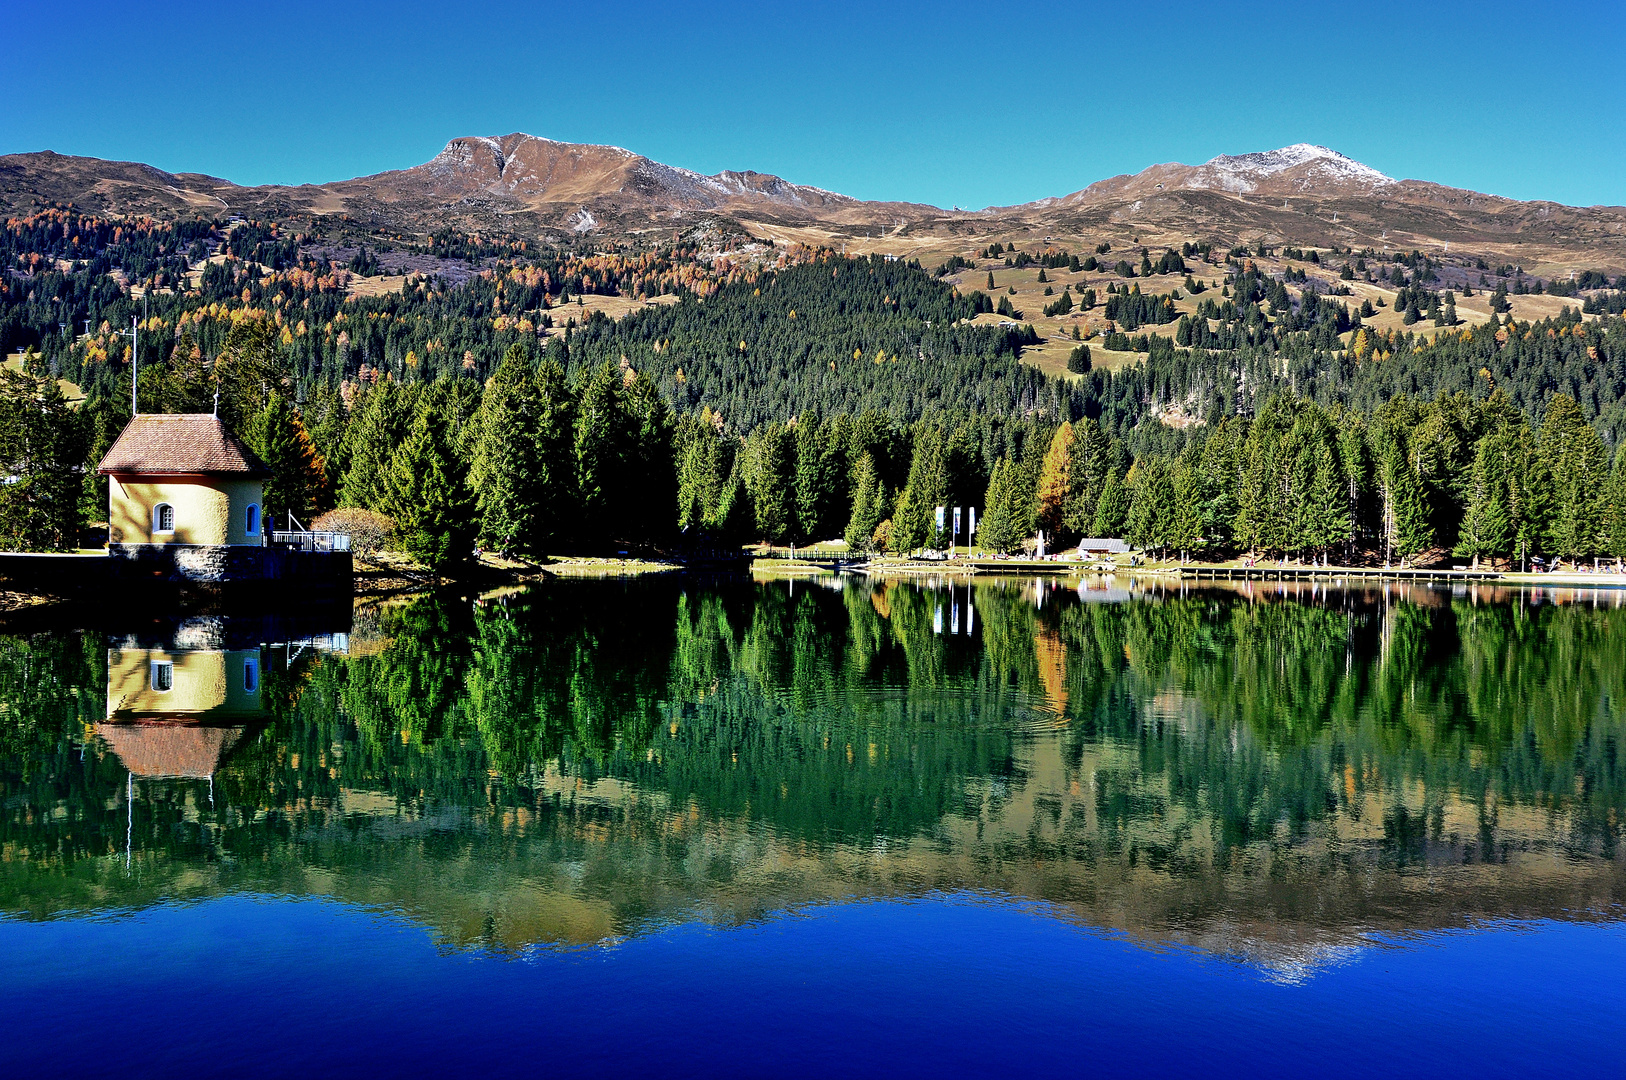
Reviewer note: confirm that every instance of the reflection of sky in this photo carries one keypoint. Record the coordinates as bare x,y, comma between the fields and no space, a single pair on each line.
945,986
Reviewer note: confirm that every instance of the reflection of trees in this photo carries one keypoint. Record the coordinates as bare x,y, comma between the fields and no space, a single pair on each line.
1212,727
1340,699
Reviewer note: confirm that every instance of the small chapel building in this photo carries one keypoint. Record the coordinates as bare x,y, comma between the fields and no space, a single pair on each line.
182,480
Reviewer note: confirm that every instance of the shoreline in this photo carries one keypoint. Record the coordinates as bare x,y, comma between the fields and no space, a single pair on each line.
965,568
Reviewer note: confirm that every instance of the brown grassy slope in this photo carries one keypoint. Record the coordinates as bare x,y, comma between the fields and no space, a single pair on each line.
530,187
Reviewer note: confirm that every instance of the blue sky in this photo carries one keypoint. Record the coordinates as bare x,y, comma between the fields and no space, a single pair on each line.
947,103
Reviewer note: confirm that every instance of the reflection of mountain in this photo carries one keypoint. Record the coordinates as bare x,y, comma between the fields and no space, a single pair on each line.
1269,777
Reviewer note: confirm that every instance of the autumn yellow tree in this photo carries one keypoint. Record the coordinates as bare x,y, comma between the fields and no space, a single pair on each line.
1053,479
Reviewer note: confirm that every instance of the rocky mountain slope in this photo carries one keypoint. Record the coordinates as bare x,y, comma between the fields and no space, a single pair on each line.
537,188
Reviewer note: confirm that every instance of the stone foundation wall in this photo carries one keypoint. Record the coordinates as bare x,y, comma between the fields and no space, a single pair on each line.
209,564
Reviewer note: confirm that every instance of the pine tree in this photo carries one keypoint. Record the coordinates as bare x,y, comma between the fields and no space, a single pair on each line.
1487,527
1112,511
507,474
556,512
426,492
379,425
869,498
1616,537
996,531
602,440
298,476
1577,464
1087,467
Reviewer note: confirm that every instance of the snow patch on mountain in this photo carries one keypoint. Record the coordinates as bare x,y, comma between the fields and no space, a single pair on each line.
1243,172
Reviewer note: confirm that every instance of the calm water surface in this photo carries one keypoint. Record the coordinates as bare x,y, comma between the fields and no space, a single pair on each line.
837,827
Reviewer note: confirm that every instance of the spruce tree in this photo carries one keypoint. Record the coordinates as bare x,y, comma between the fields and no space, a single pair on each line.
995,530
1409,525
507,475
382,417
1487,527
869,498
602,440
298,477
1221,467
1190,496
810,489
1616,535
705,462
1264,515
556,510
426,492
1113,509
649,500
1087,467
43,444
771,478
1530,494
1151,507
1328,497
1577,465
914,521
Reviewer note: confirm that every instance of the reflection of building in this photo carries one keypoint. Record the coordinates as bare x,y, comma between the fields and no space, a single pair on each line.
178,712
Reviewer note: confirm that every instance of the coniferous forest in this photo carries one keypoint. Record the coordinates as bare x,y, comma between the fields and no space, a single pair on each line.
808,396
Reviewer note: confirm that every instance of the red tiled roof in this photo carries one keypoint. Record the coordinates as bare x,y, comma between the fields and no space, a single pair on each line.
160,443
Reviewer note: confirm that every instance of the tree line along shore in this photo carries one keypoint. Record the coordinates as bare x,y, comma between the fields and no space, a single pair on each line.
820,397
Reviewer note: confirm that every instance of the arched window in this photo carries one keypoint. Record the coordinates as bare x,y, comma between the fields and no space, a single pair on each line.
251,676
163,518
251,520
163,675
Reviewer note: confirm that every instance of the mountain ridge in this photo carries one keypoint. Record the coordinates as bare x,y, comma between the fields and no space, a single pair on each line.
535,187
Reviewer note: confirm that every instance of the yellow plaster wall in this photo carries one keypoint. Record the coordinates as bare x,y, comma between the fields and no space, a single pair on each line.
208,510
206,683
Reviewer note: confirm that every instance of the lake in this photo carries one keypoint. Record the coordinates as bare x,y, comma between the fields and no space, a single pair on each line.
834,826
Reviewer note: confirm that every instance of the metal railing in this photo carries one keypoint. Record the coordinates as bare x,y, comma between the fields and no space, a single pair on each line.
311,541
